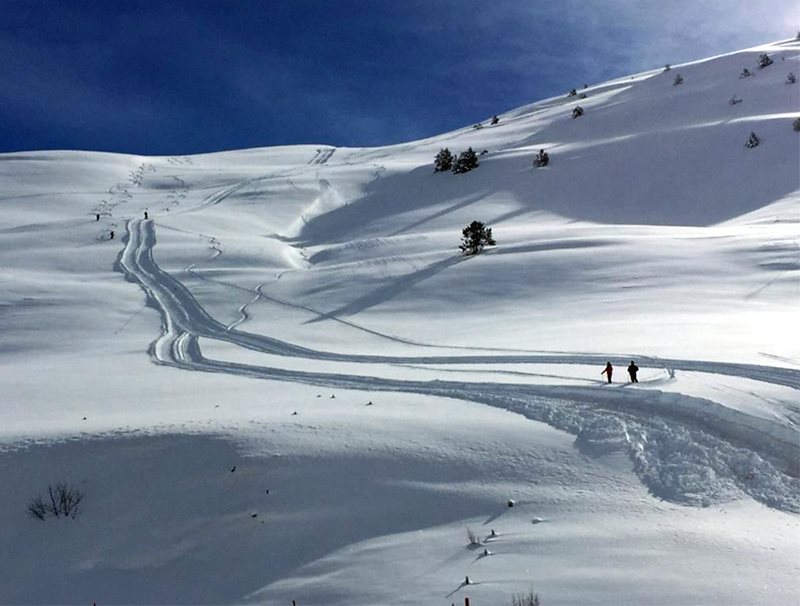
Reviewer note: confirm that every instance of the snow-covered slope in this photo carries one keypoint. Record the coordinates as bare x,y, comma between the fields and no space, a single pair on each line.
303,314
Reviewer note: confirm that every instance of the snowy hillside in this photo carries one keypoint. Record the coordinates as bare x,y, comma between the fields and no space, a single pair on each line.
273,376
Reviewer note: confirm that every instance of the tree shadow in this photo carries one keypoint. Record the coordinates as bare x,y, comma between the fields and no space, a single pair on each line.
391,290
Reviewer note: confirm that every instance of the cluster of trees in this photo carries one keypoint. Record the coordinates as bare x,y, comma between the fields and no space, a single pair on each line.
476,235
463,163
764,60
493,122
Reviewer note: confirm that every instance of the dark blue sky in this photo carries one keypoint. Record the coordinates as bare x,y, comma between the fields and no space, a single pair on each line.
165,77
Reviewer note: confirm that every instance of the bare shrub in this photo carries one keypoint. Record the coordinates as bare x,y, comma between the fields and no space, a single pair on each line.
62,501
526,599
472,538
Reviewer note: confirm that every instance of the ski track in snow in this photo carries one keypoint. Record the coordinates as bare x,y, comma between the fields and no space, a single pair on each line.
684,449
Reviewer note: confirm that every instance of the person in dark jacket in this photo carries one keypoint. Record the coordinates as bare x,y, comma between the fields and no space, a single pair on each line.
632,370
608,371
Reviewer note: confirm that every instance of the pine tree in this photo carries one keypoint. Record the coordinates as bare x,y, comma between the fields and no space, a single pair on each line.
745,73
796,125
474,237
443,161
495,120
466,161
764,60
752,141
790,78
678,80
577,112
541,159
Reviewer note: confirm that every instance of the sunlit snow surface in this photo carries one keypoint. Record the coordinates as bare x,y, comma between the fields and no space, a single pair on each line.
428,387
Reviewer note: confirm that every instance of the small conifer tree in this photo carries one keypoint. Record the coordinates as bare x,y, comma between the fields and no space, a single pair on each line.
577,112
796,125
745,73
678,80
495,120
541,159
764,60
474,237
466,161
443,161
752,141
790,78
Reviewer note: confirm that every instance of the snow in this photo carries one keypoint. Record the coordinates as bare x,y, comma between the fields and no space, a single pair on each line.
272,294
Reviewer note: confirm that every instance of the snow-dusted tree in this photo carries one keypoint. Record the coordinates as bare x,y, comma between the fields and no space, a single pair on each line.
678,80
752,141
443,161
541,159
667,67
474,237
466,161
572,93
734,100
577,111
477,126
764,60
495,120
796,125
790,78
745,73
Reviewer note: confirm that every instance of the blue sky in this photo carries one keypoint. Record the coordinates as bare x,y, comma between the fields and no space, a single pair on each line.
163,77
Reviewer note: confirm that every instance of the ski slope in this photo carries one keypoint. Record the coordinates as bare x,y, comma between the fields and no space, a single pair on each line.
286,383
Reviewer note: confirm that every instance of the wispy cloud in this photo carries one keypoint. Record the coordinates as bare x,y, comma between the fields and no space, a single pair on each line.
174,77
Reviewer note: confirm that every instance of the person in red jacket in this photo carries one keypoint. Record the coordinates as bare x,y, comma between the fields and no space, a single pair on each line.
608,371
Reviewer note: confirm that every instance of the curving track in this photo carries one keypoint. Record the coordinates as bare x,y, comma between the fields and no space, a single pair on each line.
684,449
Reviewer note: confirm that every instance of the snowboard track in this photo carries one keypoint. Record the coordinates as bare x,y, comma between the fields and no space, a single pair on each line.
684,449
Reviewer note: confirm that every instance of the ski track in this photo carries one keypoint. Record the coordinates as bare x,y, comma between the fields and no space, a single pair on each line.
684,449
322,156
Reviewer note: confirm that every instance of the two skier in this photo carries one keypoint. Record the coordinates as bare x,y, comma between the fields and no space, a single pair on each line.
632,370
